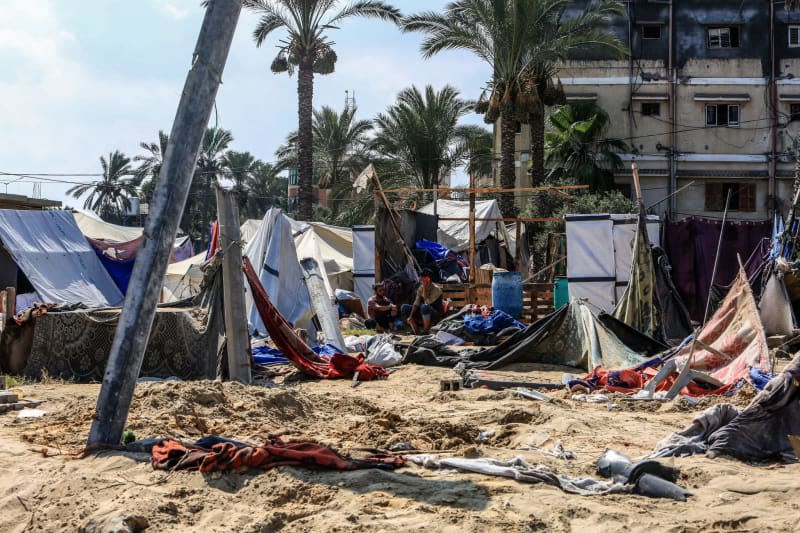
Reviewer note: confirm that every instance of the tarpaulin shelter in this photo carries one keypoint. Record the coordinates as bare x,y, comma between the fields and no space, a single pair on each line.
571,336
599,253
691,244
331,247
650,303
730,344
454,234
49,248
182,279
273,253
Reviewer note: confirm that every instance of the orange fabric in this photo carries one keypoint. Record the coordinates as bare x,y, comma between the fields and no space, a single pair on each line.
297,351
224,456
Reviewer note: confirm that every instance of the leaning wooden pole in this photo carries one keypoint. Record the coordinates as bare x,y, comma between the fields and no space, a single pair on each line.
230,238
169,199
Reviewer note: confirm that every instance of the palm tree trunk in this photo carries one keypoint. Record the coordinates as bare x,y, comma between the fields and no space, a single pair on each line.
536,123
508,175
305,164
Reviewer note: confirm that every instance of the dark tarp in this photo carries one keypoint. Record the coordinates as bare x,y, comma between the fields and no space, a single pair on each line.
571,336
756,433
674,315
692,245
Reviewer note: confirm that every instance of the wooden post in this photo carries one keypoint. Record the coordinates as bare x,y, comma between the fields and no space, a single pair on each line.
230,238
169,199
321,301
473,264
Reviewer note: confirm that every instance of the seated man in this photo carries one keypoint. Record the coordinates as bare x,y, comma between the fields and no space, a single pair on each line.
380,309
428,303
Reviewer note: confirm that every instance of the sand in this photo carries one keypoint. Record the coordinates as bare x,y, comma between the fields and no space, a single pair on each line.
43,487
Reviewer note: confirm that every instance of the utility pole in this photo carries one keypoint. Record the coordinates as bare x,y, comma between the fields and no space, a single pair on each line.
169,199
230,239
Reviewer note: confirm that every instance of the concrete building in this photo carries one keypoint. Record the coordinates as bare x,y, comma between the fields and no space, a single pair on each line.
709,95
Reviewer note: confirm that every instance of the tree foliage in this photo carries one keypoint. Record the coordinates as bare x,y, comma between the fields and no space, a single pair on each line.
110,196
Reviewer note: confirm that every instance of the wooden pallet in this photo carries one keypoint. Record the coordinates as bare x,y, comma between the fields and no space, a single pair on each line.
537,301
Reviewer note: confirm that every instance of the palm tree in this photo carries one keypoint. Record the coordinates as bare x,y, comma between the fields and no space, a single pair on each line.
265,189
110,196
240,167
420,133
308,49
576,150
150,166
478,145
522,41
201,206
339,150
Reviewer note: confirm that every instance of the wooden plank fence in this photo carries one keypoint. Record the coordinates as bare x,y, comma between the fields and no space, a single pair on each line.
537,298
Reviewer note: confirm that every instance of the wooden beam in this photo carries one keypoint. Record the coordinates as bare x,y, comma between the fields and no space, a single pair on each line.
504,219
169,199
230,238
473,265
488,190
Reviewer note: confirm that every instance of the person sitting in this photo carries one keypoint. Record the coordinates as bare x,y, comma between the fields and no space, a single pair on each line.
428,304
380,309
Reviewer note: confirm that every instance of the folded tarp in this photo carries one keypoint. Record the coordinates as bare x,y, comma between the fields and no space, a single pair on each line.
50,249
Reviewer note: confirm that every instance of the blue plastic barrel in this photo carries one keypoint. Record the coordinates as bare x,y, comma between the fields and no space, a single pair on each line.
560,293
507,292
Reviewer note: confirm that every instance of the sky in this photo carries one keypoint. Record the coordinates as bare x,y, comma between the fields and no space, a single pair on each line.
82,78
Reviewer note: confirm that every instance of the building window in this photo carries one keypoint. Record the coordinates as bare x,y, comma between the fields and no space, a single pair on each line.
651,109
722,115
517,127
723,37
743,196
794,112
651,31
794,36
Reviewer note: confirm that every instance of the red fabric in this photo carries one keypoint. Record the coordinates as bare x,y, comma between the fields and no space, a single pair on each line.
170,454
213,244
298,352
124,251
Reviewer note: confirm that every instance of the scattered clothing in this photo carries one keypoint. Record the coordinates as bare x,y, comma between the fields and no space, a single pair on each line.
298,352
518,468
495,322
216,454
758,432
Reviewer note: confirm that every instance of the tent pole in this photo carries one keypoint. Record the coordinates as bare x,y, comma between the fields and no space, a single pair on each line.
716,257
169,199
236,334
472,261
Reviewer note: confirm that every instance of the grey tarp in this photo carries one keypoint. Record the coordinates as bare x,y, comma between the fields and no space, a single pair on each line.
50,249
572,336
758,432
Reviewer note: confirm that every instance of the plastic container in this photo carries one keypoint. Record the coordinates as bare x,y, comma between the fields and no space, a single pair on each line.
507,292
560,293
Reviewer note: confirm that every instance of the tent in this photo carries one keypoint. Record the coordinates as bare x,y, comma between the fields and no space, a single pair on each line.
182,279
331,246
273,253
572,336
454,234
55,257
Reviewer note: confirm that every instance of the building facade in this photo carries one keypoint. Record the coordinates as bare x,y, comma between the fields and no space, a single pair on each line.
709,98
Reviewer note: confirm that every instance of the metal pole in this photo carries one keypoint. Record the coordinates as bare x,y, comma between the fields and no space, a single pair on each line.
230,238
716,257
169,199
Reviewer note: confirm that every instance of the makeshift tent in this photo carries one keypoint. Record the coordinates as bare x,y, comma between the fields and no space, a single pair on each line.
727,348
182,279
454,234
95,227
599,252
184,340
56,258
572,336
758,432
331,247
363,262
273,253
692,243
650,303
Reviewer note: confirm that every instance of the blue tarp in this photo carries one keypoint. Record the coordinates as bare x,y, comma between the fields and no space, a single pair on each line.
759,378
120,271
266,355
494,323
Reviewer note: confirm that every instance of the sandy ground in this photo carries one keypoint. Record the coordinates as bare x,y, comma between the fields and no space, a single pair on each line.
58,492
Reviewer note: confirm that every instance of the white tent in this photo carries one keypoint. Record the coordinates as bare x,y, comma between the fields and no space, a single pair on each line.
273,254
182,279
96,228
454,234
599,254
50,249
332,247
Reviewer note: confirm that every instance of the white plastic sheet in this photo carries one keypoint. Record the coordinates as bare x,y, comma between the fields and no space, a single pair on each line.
50,249
454,234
